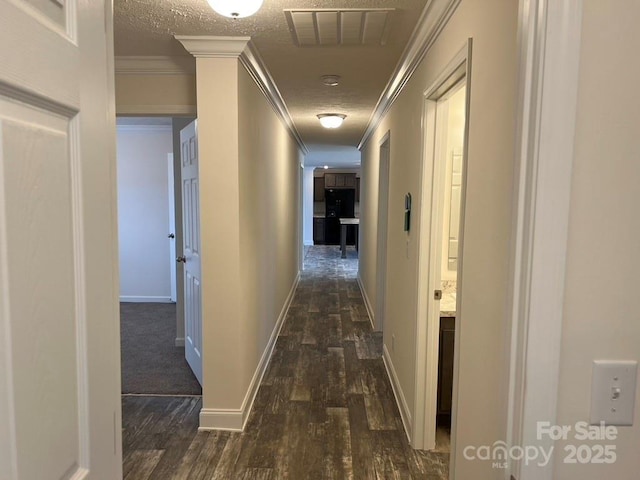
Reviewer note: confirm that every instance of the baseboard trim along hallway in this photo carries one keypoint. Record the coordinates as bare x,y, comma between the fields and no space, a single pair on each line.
401,401
367,302
236,419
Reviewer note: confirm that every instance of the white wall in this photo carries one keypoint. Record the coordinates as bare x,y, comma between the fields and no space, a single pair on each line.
602,305
487,226
143,212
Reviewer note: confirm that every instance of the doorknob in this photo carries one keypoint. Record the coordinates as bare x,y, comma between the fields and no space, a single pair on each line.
181,259
171,235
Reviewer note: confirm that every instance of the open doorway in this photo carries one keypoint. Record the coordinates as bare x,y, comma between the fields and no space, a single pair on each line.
336,208
441,247
383,215
151,286
450,128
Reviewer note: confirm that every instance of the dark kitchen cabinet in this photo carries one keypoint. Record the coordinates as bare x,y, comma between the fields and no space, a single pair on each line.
318,231
339,180
330,180
318,189
349,180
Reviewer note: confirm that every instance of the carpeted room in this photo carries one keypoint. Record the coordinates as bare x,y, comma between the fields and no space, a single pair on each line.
151,363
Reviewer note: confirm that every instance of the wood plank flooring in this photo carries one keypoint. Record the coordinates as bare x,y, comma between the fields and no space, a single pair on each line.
324,410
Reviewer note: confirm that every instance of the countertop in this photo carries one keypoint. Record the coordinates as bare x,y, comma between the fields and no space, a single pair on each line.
448,302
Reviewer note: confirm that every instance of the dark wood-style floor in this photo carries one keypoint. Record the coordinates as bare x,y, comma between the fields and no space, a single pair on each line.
324,410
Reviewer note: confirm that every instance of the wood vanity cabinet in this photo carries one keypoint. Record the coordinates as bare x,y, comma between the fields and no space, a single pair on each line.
318,231
339,180
445,369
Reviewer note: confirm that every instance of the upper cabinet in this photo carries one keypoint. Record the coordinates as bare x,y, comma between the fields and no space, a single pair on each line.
318,189
339,180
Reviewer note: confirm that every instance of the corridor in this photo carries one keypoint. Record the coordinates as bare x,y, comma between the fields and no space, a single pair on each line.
325,407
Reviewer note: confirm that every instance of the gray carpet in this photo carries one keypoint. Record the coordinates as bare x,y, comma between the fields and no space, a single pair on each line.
151,364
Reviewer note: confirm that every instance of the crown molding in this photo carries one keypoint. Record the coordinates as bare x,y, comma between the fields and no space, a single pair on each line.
433,19
158,65
246,52
255,66
207,46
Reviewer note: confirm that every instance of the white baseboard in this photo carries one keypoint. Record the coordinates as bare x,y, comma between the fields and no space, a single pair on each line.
179,342
218,419
405,414
367,303
148,299
235,419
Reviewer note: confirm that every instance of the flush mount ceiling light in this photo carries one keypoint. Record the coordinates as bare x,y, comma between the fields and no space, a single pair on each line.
236,9
331,120
331,80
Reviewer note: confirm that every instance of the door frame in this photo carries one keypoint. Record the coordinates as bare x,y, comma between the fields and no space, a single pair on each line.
384,174
429,255
549,42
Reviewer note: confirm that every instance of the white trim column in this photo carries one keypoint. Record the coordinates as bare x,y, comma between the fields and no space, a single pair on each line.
223,351
549,42
307,202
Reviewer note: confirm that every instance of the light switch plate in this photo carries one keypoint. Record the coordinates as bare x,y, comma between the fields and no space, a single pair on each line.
613,392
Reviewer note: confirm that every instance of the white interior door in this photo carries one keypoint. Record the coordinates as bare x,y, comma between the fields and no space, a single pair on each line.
59,354
172,227
191,245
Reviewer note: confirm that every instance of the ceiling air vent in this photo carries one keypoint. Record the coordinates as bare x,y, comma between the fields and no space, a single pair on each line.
332,27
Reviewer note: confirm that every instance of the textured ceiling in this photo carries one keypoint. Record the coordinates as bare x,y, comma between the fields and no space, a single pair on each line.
146,27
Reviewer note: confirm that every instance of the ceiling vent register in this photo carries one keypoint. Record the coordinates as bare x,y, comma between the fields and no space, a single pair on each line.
334,27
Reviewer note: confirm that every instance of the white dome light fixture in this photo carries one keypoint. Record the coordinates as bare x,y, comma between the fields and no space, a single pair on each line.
330,80
331,120
236,9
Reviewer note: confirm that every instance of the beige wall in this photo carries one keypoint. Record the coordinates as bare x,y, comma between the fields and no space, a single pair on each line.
601,300
249,177
492,25
155,94
269,170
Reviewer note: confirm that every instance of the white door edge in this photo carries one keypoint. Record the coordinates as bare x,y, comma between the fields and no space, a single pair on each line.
172,227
